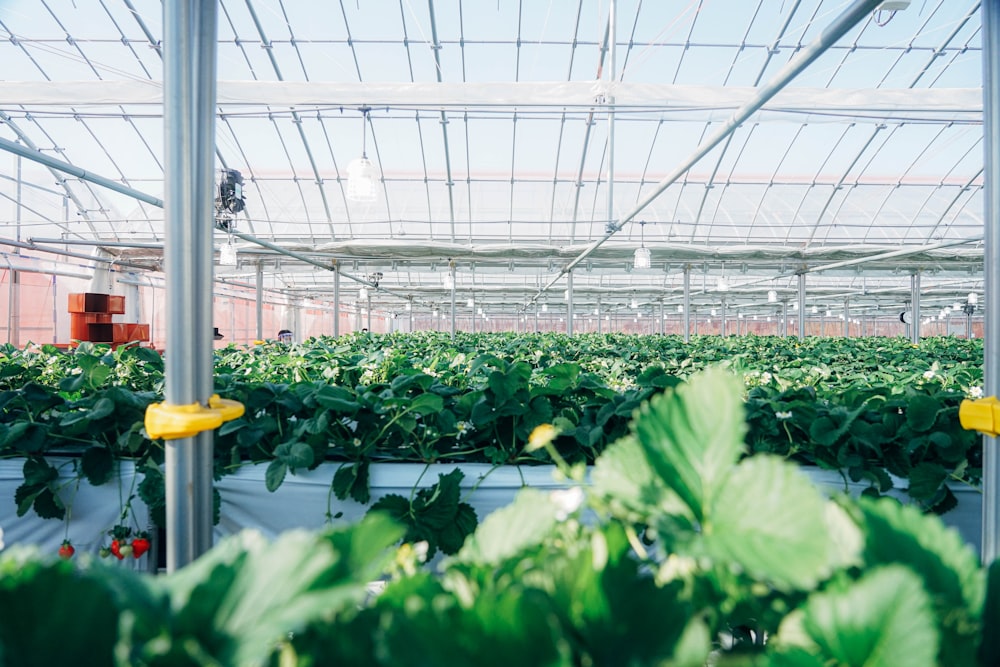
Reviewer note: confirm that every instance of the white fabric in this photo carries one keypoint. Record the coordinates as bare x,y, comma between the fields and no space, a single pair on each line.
301,500
91,510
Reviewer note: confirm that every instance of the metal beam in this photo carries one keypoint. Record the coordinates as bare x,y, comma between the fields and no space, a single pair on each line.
841,25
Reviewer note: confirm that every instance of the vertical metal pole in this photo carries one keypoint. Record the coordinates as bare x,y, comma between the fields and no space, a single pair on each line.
847,317
14,287
991,283
599,314
409,314
802,306
368,310
784,317
569,303
451,269
687,303
612,73
915,307
259,300
189,38
722,329
55,312
536,318
336,302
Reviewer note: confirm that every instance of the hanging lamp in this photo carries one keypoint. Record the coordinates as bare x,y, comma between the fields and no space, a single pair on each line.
227,254
362,177
642,258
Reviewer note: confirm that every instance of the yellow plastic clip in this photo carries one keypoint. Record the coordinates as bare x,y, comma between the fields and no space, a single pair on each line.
982,414
171,422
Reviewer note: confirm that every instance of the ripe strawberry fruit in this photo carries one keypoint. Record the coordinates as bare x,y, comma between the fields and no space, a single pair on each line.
66,550
140,545
116,549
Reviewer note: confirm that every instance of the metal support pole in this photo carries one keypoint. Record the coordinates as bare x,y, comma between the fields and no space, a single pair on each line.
663,315
722,325
784,317
687,303
336,301
991,282
802,306
915,307
847,317
259,301
451,270
189,38
368,310
599,314
569,303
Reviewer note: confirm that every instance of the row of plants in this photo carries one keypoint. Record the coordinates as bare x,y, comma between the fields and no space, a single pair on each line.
827,364
679,551
883,436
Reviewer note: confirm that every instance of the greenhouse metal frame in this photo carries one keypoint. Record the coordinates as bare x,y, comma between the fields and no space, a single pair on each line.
703,166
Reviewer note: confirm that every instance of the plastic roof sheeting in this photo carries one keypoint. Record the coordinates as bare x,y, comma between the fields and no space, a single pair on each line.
489,125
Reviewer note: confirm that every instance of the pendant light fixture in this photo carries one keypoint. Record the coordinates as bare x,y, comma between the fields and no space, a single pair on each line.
227,254
362,177
642,259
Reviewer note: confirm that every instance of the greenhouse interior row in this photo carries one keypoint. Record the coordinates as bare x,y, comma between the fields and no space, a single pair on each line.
606,331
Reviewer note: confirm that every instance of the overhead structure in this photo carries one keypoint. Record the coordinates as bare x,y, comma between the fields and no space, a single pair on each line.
510,138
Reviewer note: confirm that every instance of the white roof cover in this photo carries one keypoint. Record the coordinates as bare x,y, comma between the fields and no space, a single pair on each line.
490,127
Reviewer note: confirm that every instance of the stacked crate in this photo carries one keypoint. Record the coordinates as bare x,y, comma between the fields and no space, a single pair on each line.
90,316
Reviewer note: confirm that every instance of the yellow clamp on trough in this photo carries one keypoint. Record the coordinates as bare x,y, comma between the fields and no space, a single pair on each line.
981,414
171,422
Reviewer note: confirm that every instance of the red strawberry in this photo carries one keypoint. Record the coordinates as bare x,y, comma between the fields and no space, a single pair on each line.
66,550
116,549
140,545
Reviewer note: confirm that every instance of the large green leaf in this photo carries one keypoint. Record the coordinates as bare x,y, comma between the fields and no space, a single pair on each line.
624,481
899,533
922,412
237,602
773,523
511,529
53,614
692,436
882,620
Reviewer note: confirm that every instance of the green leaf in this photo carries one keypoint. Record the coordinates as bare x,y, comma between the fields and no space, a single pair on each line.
351,480
922,412
48,505
38,471
427,404
511,529
294,455
275,474
899,533
52,614
623,478
235,604
926,479
772,522
102,408
989,648
883,619
97,465
693,434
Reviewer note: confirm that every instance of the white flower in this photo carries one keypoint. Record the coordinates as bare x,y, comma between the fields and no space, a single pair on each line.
929,375
357,442
976,392
566,501
462,428
765,377
783,415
